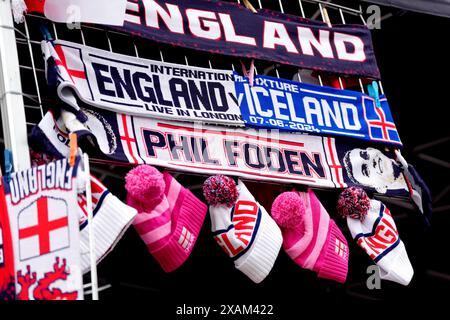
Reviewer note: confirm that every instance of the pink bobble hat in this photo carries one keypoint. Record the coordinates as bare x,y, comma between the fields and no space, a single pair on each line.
310,237
169,216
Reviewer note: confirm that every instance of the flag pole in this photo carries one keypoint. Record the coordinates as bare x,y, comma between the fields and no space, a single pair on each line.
94,279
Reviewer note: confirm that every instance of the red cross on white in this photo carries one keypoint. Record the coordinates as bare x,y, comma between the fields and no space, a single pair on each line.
43,237
334,164
341,248
127,137
63,63
185,238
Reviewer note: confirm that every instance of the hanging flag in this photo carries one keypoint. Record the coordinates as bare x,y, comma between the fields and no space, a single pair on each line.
42,208
228,28
109,12
231,29
435,7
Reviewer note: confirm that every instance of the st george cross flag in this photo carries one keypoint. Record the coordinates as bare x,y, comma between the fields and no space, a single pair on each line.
43,215
110,12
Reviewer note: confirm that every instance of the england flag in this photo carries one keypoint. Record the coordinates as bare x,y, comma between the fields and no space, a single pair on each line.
43,227
43,214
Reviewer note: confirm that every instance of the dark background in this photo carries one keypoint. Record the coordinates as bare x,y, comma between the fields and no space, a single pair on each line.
412,52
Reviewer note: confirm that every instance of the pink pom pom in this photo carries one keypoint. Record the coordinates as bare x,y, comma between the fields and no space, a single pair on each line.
354,203
145,183
220,190
288,210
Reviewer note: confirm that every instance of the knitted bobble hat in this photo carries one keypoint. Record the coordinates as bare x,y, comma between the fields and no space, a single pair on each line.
220,190
242,227
377,234
145,184
111,219
353,202
169,216
310,237
288,211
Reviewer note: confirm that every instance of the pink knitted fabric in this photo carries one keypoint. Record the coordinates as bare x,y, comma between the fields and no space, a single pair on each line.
168,222
313,241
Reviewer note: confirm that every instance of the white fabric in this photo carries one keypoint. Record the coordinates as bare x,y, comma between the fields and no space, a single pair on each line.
18,8
111,220
383,245
260,257
396,266
109,12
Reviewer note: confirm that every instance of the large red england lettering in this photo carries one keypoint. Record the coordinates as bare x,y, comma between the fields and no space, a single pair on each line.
244,221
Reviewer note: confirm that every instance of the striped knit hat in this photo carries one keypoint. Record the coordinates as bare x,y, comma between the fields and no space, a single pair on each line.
169,216
310,237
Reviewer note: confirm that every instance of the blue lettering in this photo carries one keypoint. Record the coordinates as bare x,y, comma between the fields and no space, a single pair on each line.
102,79
153,139
312,164
183,147
231,154
259,164
124,83
150,93
291,163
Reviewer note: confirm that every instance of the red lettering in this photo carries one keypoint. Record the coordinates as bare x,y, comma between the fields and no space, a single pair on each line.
226,243
242,207
374,245
244,223
384,234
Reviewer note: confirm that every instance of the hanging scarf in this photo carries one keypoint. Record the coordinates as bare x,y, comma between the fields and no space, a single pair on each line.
7,286
148,88
249,153
231,29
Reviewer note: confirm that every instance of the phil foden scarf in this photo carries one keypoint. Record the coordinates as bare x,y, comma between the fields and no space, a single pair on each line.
250,153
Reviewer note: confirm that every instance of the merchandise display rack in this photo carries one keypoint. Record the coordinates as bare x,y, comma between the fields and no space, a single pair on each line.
32,73
25,97
28,99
